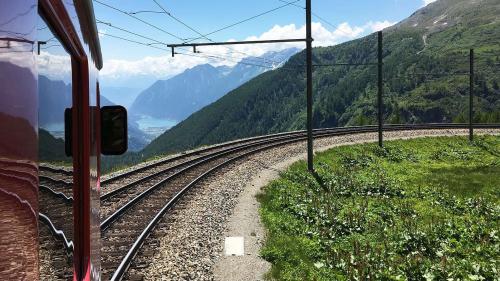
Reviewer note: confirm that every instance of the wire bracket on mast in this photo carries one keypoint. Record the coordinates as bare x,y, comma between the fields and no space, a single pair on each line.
194,45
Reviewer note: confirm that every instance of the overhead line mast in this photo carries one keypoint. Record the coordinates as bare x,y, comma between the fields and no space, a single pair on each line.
308,40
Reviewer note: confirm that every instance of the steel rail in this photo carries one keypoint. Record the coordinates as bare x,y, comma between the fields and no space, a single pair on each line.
69,199
125,263
57,181
64,197
196,152
213,147
195,163
235,142
187,162
58,233
202,160
55,170
117,214
270,143
68,245
247,143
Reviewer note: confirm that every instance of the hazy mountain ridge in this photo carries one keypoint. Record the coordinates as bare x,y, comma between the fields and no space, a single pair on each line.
183,94
54,97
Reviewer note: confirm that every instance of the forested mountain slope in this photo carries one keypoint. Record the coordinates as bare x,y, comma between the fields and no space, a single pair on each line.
426,59
180,96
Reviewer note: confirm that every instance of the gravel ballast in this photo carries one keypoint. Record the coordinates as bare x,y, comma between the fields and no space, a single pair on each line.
190,239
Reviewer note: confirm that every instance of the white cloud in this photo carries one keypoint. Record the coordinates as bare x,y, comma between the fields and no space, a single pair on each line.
159,67
56,67
102,32
165,66
379,25
427,2
18,53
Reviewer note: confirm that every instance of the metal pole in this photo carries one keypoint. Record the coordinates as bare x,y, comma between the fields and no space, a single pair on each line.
380,91
471,95
310,152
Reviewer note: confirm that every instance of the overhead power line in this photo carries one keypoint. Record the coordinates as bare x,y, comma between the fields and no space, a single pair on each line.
242,21
130,32
149,12
250,60
139,19
202,35
225,59
18,15
335,27
133,41
202,56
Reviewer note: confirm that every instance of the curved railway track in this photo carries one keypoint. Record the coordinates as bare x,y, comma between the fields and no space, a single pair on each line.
146,194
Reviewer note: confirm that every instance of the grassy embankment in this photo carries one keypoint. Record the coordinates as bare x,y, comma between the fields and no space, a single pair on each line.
423,209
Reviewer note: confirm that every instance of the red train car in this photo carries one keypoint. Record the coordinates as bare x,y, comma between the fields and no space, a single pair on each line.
50,130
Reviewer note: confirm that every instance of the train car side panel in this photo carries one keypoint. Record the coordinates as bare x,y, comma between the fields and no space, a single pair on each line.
18,141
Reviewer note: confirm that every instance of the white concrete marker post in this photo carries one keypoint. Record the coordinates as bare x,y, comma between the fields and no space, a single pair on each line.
234,246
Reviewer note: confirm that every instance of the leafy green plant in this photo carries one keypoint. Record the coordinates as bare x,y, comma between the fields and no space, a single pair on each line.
388,214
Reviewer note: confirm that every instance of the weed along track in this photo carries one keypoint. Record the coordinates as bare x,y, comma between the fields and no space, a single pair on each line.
421,208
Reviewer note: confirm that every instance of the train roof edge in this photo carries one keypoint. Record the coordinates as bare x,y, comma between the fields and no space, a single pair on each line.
87,19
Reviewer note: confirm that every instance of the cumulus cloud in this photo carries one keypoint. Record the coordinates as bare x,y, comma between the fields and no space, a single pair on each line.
379,25
18,53
165,66
56,67
159,67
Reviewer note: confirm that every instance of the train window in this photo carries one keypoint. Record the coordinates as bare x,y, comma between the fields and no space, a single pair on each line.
55,95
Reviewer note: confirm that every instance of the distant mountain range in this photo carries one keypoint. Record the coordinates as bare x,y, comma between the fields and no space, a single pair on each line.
55,97
124,96
175,98
184,94
425,58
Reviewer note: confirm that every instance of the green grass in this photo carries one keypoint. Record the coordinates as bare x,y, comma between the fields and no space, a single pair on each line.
422,209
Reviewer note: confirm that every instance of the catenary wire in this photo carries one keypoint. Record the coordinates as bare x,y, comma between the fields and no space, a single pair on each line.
141,20
242,21
199,33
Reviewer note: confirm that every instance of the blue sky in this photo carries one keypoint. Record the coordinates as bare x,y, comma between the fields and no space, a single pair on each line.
350,19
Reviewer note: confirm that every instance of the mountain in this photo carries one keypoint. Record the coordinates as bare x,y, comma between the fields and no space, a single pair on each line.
51,149
426,61
181,95
55,97
137,139
124,96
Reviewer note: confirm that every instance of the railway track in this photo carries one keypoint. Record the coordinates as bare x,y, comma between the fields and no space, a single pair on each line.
144,195
58,208
54,263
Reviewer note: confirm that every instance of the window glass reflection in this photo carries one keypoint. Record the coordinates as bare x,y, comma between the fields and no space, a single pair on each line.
56,170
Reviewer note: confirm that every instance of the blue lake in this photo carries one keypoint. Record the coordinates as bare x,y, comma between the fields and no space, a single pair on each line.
147,122
154,126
